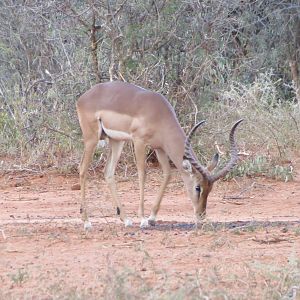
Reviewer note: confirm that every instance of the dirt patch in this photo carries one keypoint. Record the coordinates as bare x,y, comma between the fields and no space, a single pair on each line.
248,248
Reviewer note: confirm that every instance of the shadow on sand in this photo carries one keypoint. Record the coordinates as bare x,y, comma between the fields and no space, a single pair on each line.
215,226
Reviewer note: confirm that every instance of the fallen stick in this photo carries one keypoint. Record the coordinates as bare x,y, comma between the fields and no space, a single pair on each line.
3,234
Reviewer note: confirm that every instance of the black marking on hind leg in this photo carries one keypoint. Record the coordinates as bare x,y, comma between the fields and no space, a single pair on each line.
118,211
81,210
103,134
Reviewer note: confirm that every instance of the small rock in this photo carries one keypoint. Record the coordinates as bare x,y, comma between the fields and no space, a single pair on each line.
75,187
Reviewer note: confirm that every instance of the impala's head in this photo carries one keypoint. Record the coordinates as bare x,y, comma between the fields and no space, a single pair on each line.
199,179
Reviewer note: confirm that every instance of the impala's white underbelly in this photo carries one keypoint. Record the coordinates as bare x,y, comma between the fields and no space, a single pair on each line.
116,134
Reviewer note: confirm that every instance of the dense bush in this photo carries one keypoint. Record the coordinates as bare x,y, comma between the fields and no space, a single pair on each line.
216,60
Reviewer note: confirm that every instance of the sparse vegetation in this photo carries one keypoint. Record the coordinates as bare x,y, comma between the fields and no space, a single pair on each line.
297,231
263,281
20,277
211,63
261,166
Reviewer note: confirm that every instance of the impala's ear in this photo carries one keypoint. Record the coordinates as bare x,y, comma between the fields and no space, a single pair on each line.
186,165
213,163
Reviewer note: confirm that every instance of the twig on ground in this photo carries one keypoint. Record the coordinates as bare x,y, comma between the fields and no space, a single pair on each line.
235,197
3,234
247,189
269,240
16,168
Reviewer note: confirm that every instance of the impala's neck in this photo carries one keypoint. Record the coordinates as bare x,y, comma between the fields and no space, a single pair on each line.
174,145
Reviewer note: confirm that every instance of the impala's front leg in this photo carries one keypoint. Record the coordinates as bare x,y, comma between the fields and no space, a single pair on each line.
165,165
139,149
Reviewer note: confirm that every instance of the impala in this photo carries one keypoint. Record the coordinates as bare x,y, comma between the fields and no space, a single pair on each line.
121,111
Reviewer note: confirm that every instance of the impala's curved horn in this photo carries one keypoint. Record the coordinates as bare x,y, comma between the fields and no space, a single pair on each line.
233,154
188,154
193,130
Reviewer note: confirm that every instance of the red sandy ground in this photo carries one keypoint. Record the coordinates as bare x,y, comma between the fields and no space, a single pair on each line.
47,255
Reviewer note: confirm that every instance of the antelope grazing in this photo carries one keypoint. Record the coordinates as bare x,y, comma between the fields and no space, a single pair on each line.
121,111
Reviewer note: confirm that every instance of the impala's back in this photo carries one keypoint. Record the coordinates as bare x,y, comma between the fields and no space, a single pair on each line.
126,111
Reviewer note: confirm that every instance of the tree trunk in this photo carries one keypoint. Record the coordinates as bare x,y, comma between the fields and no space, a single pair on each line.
94,47
295,58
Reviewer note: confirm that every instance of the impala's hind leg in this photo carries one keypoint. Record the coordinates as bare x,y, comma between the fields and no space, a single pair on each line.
165,165
109,175
90,141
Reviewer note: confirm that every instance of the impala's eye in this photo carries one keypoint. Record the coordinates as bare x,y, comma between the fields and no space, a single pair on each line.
198,188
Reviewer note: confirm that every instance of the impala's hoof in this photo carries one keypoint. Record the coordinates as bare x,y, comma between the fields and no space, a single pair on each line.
144,223
152,220
128,222
87,225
